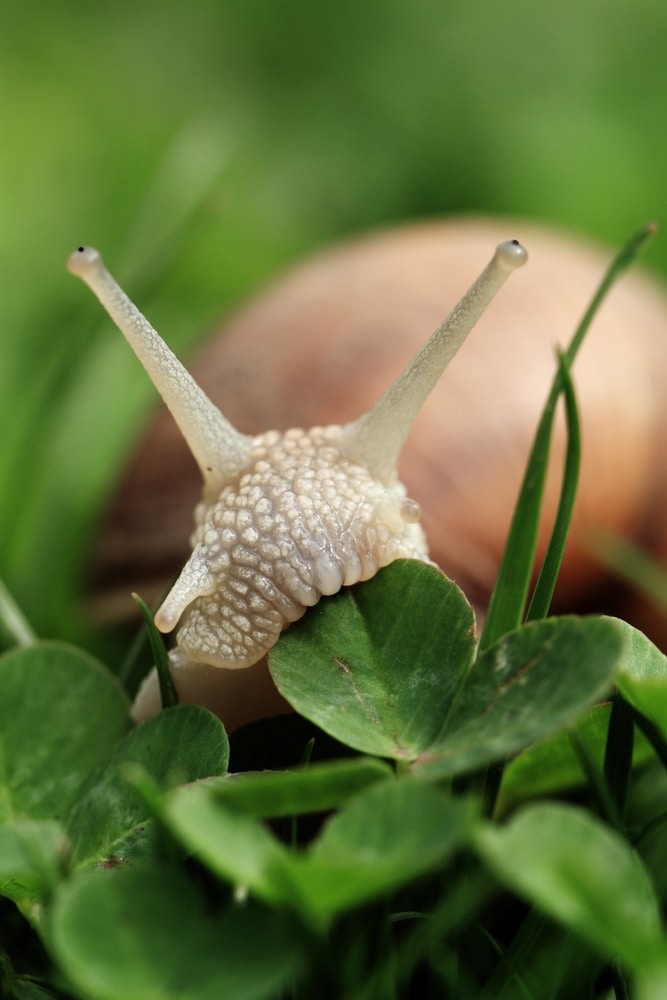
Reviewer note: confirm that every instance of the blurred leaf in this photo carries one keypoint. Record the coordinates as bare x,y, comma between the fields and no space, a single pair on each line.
13,622
378,665
61,715
582,874
629,562
647,820
290,793
31,855
553,766
147,934
643,676
180,744
651,982
233,844
22,987
383,837
25,989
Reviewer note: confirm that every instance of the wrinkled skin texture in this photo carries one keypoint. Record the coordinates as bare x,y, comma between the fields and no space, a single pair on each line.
301,522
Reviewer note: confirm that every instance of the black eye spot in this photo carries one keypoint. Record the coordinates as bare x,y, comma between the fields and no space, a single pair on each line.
515,242
81,249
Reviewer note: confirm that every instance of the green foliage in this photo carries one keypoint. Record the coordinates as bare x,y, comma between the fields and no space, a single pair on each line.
403,848
61,715
577,870
380,839
67,748
147,933
643,678
180,745
387,668
387,691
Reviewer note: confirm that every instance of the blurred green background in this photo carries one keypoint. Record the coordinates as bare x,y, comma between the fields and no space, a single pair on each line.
203,146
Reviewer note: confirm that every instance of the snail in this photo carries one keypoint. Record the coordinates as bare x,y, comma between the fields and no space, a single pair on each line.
287,517
318,347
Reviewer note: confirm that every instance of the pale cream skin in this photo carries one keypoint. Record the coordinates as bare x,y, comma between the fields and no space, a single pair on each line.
287,517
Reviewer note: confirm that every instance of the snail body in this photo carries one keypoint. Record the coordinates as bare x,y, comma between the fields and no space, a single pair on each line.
286,517
319,346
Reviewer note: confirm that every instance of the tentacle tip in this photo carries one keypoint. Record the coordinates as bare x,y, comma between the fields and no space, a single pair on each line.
510,255
82,261
166,619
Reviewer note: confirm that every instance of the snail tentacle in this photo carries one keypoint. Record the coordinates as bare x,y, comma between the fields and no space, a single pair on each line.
218,448
376,439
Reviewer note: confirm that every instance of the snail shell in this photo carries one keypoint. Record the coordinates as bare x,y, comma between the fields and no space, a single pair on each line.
320,345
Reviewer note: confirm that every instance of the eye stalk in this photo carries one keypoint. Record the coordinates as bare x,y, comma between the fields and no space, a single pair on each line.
376,439
219,449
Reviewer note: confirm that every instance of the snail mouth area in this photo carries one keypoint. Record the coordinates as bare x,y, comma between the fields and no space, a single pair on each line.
195,581
166,619
217,632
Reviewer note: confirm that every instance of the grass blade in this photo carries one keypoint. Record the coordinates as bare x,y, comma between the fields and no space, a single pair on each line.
640,569
168,692
508,600
618,752
546,582
606,802
13,621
